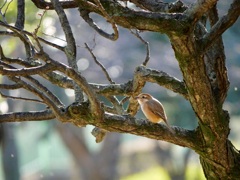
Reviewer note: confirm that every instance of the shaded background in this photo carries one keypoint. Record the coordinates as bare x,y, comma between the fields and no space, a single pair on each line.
51,150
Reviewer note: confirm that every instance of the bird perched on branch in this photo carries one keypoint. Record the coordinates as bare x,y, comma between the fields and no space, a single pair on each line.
152,109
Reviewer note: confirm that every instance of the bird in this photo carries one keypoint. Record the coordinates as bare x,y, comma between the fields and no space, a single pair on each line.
152,109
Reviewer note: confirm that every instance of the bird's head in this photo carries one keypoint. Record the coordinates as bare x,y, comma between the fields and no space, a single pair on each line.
143,97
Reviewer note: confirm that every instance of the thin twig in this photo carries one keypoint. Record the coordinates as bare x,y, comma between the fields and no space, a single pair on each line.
100,64
109,19
125,99
85,15
26,71
3,4
146,44
3,15
40,22
57,110
14,29
44,91
79,80
7,7
21,98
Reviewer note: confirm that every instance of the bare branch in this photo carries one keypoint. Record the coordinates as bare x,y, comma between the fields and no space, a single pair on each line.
58,111
138,84
18,33
71,45
125,99
122,124
116,104
27,33
27,71
146,44
7,7
70,49
80,81
199,8
21,98
27,116
54,77
5,2
39,24
126,124
113,89
113,36
20,14
221,26
159,6
215,63
10,86
85,15
41,91
100,64
133,19
163,79
143,75
41,4
3,14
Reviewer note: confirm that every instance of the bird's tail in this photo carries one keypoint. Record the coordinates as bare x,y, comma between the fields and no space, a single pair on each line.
169,127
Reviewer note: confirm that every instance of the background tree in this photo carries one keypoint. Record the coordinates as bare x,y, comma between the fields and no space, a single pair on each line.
195,35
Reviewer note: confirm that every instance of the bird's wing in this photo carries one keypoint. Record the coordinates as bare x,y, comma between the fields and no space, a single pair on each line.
157,108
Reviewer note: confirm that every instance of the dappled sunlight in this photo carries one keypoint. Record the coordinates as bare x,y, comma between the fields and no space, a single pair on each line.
115,71
4,107
83,64
69,92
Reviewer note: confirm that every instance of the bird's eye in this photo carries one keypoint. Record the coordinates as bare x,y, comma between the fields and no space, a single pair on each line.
143,97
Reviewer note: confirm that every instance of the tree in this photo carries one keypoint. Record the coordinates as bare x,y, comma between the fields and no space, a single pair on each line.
198,50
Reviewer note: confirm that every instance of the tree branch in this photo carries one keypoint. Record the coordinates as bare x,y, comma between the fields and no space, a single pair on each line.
221,26
163,79
215,63
121,124
54,77
71,45
20,14
21,98
113,36
27,116
42,88
70,49
198,9
124,89
41,4
10,86
125,124
85,15
159,6
80,81
136,34
41,93
14,29
99,64
26,71
142,20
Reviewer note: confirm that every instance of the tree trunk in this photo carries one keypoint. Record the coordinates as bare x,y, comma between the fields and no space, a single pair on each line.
218,157
229,170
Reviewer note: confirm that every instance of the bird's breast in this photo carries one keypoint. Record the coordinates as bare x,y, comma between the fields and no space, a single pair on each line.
149,114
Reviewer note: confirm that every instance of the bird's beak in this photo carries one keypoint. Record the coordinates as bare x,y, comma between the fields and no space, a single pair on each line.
136,97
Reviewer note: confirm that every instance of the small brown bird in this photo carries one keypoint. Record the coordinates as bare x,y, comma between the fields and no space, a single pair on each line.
152,109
